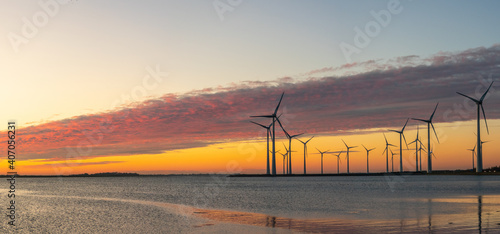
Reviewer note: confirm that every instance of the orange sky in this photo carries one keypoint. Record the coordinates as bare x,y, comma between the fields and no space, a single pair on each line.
249,156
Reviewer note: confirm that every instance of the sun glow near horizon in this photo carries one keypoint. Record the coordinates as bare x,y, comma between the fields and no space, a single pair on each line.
249,156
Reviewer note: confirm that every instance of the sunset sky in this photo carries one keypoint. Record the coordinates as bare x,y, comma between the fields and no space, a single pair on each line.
168,86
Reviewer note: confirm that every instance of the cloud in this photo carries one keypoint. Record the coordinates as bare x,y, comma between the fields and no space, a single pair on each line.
382,97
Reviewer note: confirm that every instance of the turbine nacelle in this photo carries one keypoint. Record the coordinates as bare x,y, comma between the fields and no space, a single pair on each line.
480,104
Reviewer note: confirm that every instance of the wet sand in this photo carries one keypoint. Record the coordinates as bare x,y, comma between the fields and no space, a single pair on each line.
485,218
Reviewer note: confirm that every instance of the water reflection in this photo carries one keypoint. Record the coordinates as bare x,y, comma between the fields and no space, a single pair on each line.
439,218
479,212
467,221
429,206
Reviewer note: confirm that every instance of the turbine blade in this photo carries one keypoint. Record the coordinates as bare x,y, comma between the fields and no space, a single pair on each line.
296,135
364,147
432,116
264,116
393,131
284,144
404,138
423,120
279,103
385,139
345,143
309,139
384,150
484,95
474,100
259,124
286,133
405,125
484,115
432,125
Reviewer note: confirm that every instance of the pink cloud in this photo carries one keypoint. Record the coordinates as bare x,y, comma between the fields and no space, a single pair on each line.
328,105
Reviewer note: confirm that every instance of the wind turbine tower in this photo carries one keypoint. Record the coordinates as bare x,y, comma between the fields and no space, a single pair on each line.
274,117
305,151
386,151
367,158
480,108
473,151
268,129
401,137
347,155
429,125
290,137
322,158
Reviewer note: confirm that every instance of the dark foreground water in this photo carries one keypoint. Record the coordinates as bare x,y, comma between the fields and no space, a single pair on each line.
215,204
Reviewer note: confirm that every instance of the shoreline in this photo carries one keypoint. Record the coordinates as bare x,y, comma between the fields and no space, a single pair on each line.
407,173
452,173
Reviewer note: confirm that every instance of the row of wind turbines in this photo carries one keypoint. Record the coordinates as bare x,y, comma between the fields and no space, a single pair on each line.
419,146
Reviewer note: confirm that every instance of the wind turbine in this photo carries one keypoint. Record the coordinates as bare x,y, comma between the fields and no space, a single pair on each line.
392,159
288,153
347,155
290,137
367,155
401,137
416,141
338,161
284,156
429,125
305,151
268,133
274,117
386,151
420,153
480,107
321,158
482,142
473,151
432,153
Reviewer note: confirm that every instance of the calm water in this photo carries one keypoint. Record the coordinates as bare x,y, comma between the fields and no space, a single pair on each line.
210,204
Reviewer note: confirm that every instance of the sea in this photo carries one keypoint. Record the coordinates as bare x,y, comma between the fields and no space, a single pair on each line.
221,204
